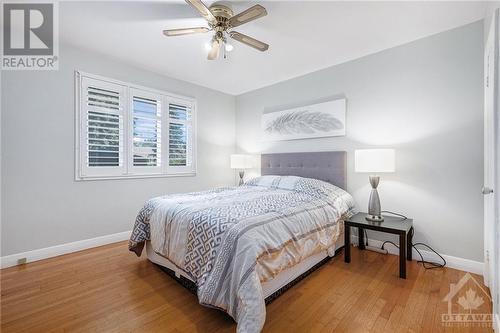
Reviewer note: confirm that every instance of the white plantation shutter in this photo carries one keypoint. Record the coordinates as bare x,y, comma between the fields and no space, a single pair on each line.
146,132
126,131
180,135
102,128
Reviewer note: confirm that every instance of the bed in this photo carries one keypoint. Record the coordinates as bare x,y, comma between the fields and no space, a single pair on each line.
239,247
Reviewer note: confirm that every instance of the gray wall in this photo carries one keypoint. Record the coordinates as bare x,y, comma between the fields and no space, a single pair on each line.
425,99
42,205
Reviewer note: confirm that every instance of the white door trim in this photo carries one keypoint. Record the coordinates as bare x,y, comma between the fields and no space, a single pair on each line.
491,162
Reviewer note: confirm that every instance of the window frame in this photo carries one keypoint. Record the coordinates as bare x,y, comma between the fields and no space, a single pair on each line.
128,170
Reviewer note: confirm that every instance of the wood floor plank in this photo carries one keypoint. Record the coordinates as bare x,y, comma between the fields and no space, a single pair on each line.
108,289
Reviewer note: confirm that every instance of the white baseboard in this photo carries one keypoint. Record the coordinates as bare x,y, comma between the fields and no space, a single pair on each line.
54,251
452,262
496,323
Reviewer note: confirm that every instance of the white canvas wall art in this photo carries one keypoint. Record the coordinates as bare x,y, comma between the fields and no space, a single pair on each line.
313,121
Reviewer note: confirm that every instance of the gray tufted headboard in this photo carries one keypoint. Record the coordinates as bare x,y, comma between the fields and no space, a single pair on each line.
329,166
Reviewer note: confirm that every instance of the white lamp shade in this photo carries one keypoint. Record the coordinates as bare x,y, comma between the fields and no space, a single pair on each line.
241,161
374,160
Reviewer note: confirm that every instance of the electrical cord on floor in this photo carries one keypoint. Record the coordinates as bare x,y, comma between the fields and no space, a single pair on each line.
425,264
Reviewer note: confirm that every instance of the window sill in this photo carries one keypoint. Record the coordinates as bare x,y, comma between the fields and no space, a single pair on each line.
180,174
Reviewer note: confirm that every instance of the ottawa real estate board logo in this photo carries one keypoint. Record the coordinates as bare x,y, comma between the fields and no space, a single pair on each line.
30,36
468,303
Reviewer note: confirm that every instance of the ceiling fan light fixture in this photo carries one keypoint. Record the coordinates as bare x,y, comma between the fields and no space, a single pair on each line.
214,51
228,47
207,46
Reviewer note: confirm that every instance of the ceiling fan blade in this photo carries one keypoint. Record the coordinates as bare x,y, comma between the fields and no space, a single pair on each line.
248,15
184,31
256,44
203,10
214,51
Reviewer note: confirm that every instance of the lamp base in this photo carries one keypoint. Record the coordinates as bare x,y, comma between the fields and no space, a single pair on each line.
242,174
374,218
374,211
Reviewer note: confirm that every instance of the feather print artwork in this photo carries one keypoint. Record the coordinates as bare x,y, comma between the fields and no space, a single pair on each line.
303,122
313,121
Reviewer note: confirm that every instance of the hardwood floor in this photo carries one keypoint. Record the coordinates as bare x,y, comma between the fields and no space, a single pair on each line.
108,289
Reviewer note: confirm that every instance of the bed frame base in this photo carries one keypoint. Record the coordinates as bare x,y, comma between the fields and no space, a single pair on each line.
192,288
271,289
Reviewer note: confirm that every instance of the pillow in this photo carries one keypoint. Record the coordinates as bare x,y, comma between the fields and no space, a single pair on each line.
328,192
281,182
293,183
309,186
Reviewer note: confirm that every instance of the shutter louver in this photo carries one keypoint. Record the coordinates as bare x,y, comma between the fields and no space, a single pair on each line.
146,132
104,128
179,112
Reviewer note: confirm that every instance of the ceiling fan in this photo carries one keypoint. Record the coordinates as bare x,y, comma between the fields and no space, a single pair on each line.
221,20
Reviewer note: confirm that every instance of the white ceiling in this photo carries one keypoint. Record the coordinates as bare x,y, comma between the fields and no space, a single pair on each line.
303,36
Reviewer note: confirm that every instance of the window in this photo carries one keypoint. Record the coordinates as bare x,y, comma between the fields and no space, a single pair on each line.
129,131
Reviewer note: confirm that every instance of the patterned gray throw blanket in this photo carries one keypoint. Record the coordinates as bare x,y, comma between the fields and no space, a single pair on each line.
222,237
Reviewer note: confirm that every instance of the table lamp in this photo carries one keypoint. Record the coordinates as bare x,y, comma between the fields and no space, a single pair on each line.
374,161
241,162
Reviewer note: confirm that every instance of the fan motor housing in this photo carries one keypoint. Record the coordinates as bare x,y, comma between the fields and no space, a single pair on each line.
221,12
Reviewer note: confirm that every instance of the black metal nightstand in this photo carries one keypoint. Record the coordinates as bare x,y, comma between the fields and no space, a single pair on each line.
392,225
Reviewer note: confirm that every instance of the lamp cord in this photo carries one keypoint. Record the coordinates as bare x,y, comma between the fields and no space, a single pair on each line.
425,264
395,214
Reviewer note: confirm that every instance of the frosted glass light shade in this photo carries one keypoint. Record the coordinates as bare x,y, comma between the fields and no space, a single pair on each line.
241,161
374,160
